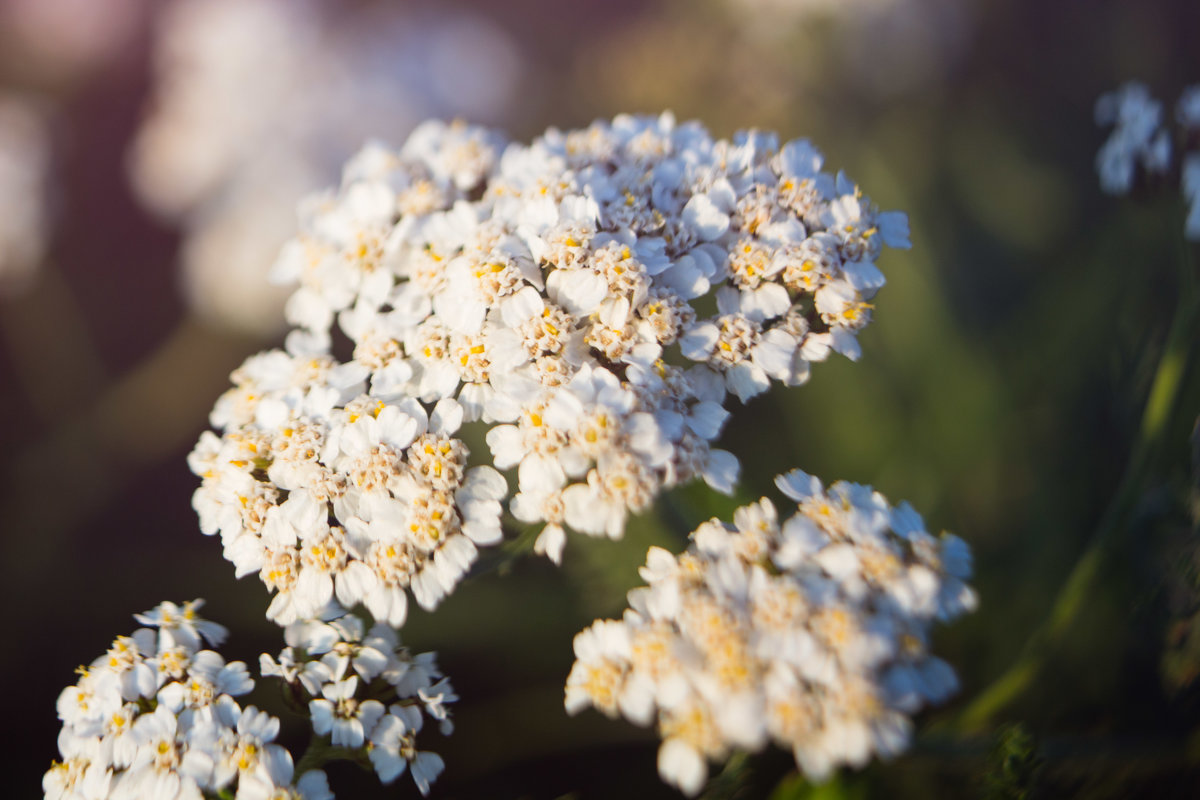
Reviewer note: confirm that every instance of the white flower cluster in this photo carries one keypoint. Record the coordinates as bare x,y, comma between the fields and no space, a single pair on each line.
554,291
24,201
257,102
155,717
366,692
813,633
333,496
1140,139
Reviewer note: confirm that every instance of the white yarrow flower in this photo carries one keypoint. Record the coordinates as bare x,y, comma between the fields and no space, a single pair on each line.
812,633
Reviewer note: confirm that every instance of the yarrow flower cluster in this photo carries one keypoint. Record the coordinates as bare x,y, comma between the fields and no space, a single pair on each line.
155,716
1140,140
366,692
813,634
588,303
557,293
333,496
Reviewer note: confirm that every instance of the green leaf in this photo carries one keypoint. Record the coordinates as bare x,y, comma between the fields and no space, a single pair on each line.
797,787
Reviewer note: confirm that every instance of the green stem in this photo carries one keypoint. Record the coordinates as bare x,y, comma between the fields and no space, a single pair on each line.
1164,391
501,559
319,753
726,784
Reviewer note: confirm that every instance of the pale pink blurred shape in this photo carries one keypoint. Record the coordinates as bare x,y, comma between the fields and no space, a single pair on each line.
258,102
65,38
236,237
230,75
24,216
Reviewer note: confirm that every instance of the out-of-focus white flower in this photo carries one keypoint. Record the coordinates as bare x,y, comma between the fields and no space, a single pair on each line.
260,101
24,177
1138,137
1187,110
233,239
812,633
1189,181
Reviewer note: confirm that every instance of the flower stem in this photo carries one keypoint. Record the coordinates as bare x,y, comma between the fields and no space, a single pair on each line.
316,756
726,784
1173,366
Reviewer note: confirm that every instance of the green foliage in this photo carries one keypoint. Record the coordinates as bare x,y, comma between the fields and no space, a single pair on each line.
1181,648
1013,766
797,787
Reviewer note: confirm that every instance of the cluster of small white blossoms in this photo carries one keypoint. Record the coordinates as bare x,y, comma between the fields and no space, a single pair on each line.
554,292
24,173
257,102
1140,139
333,496
155,717
366,692
813,633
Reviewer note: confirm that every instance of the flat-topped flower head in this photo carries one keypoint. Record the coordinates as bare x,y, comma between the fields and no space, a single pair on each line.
551,292
811,632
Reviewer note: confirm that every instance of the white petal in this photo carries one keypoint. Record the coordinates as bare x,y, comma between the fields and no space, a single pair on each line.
680,765
703,216
551,542
863,276
540,474
746,380
707,419
447,417
505,442
721,471
697,344
579,291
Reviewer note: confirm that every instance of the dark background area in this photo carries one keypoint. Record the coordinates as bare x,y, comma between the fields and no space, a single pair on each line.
1000,391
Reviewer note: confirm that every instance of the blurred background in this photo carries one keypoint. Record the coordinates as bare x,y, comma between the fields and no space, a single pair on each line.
150,157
